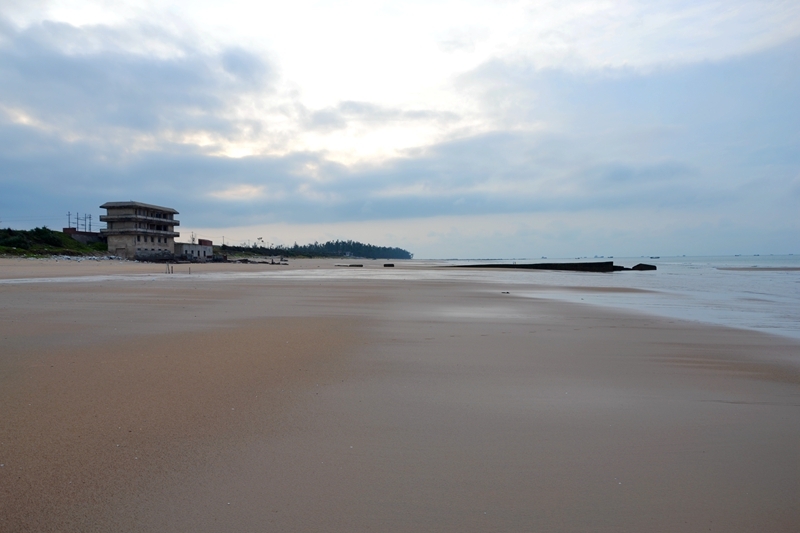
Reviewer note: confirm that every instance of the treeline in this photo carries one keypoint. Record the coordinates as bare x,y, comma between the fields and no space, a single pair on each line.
328,249
43,241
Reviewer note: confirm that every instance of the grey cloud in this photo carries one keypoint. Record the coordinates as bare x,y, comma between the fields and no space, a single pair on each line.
715,139
453,184
694,107
92,90
326,120
246,66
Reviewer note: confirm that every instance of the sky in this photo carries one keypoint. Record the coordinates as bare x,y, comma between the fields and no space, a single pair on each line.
469,129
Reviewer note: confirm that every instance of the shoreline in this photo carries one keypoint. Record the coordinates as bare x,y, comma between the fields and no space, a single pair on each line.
752,299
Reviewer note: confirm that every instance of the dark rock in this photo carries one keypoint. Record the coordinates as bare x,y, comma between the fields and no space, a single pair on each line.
643,266
602,266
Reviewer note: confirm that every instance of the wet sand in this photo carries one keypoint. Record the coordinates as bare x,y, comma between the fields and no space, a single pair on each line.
382,405
18,268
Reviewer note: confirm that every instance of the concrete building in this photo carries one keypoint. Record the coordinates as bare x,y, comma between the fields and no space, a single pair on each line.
199,253
139,231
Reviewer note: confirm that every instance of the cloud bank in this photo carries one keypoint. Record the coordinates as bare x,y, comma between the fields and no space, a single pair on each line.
675,152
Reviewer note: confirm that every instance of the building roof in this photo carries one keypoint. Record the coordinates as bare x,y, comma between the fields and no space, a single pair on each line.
111,205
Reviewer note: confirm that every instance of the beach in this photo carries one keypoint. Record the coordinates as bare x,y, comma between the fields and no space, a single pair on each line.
248,398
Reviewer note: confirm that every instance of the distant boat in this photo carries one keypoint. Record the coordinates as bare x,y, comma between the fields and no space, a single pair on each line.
655,257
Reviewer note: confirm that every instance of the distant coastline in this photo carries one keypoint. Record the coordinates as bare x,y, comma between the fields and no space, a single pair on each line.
336,248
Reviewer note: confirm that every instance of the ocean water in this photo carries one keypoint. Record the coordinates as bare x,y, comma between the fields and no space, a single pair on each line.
755,292
759,293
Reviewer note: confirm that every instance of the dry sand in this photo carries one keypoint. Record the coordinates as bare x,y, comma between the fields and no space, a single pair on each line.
178,404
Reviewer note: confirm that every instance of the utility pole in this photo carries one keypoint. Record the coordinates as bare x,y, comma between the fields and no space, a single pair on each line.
69,219
90,223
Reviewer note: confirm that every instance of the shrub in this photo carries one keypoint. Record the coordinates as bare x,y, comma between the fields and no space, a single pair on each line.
47,236
15,241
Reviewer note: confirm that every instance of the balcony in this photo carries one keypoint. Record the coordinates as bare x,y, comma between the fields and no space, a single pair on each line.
139,231
139,218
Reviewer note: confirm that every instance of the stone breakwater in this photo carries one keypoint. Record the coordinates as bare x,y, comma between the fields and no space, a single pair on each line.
597,266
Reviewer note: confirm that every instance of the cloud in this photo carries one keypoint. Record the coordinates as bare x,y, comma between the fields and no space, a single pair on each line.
86,118
246,66
79,83
348,113
578,35
239,192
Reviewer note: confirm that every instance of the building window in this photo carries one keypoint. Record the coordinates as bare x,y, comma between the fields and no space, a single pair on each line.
138,238
152,239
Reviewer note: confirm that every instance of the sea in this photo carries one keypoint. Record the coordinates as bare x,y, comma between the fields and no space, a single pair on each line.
760,293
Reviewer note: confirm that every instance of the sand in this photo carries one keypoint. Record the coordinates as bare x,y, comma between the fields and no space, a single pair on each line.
180,404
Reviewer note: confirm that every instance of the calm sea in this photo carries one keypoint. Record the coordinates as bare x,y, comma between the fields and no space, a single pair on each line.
744,292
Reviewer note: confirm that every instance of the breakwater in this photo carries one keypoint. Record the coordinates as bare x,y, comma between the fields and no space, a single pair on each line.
595,266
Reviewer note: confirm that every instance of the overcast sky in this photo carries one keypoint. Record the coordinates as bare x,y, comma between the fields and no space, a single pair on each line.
450,128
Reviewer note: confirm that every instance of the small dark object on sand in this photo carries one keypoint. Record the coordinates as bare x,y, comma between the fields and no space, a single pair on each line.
388,264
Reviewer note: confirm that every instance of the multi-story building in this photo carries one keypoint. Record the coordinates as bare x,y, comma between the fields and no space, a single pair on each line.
139,231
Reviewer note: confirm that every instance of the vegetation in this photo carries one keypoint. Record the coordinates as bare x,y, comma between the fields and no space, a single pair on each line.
328,249
44,241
